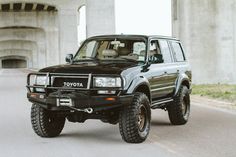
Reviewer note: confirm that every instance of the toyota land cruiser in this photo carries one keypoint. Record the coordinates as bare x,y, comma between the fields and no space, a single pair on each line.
114,78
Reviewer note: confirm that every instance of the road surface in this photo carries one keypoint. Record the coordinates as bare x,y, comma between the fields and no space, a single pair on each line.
209,133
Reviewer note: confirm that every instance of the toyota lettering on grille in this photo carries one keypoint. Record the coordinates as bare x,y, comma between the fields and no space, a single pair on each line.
73,84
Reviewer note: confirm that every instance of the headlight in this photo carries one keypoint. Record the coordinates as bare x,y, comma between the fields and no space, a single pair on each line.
41,80
107,82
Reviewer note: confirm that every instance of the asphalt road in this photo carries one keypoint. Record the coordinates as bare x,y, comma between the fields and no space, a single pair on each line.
209,133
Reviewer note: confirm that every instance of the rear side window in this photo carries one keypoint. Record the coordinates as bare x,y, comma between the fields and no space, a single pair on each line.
165,50
178,52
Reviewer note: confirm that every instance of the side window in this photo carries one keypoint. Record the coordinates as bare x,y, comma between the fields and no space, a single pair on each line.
178,52
154,47
155,52
165,50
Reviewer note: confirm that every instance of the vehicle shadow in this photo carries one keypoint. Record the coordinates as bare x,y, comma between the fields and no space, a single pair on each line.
160,123
102,135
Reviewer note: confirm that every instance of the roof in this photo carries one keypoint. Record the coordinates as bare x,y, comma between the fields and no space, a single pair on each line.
134,36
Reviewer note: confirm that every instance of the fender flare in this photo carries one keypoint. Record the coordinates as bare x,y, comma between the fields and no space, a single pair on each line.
136,83
181,79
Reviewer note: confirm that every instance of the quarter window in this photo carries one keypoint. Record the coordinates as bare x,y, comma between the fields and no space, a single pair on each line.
178,52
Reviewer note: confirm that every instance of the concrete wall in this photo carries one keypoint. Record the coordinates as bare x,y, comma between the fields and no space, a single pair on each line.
207,30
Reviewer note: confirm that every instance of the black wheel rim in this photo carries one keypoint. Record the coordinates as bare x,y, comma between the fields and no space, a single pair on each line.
142,118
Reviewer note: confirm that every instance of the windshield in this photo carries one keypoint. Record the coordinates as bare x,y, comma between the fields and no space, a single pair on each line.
113,49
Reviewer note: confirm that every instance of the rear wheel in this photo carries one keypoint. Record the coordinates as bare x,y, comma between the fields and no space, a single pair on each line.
134,120
179,110
46,123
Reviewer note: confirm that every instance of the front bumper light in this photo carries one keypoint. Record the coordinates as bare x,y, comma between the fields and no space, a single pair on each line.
107,82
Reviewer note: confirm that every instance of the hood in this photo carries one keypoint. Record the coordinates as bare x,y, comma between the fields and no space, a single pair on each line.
91,67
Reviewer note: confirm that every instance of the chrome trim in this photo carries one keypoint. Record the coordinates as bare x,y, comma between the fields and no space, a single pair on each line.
89,81
47,79
70,76
160,85
52,76
163,88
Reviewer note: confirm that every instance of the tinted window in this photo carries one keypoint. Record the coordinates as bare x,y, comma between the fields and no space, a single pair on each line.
155,52
177,50
165,51
113,49
154,47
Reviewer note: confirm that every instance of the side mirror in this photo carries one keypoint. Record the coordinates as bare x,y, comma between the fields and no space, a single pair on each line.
69,58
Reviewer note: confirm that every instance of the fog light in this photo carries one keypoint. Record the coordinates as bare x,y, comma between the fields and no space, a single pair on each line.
41,96
106,92
40,90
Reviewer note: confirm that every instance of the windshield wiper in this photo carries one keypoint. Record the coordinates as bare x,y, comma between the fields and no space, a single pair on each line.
88,57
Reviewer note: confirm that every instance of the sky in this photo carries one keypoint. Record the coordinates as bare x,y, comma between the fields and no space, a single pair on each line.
151,17
147,17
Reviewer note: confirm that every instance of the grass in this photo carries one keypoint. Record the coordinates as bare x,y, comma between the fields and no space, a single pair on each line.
217,91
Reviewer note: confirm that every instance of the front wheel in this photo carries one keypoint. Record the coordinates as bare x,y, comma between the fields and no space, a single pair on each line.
46,123
179,110
134,120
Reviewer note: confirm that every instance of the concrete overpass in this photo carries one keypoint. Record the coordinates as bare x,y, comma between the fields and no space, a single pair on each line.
39,33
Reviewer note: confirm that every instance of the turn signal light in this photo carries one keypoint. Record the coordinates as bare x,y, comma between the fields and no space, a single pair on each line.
110,99
33,95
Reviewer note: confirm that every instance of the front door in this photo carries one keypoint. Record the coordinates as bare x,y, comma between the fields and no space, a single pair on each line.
163,74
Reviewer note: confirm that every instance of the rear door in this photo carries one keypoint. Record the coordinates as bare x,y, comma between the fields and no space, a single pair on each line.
171,68
179,57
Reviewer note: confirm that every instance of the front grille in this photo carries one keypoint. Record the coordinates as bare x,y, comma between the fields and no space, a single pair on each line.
71,82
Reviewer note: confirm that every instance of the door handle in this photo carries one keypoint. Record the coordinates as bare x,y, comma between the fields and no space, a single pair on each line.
164,74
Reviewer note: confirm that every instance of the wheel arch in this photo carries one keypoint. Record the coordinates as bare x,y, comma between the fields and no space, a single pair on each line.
144,88
183,80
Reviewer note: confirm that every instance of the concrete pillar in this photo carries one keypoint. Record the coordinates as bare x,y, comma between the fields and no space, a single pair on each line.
100,17
52,46
68,39
225,40
207,30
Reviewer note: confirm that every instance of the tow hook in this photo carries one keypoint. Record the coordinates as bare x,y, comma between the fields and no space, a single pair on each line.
69,103
87,110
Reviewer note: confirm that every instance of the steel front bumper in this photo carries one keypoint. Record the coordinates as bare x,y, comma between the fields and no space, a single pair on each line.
78,101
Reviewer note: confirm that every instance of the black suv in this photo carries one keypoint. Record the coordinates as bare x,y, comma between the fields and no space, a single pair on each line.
114,78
